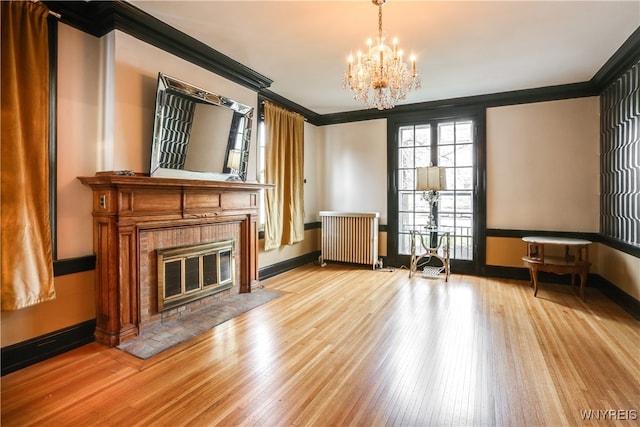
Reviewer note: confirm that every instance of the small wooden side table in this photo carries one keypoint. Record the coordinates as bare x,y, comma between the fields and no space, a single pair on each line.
575,260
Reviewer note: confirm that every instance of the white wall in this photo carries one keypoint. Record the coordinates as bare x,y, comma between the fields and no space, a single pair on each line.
354,167
543,166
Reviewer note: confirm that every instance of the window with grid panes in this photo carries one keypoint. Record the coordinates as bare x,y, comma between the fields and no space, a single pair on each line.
449,144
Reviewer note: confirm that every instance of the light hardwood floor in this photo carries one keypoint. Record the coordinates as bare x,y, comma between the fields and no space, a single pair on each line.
350,346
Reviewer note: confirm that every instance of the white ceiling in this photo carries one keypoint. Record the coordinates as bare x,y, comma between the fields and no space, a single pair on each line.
463,48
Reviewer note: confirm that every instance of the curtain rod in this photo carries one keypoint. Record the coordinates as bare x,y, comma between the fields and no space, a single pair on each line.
284,108
51,12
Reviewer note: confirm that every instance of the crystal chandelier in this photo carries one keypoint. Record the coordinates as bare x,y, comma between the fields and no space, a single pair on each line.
380,78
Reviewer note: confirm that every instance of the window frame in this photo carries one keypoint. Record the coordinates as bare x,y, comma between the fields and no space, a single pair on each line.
478,115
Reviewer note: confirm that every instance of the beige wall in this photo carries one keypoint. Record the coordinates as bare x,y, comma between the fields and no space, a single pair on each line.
543,174
505,251
80,64
310,244
74,304
543,166
508,252
106,98
79,129
136,73
619,268
355,167
313,161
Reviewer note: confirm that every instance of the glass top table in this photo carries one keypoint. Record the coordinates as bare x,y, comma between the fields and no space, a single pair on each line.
427,244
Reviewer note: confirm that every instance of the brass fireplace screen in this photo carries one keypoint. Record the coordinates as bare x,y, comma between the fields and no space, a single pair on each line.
192,272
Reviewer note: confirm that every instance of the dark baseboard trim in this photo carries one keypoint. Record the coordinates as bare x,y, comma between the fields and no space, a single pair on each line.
26,353
290,264
614,293
594,237
497,232
620,246
74,265
512,273
307,226
617,295
21,355
522,273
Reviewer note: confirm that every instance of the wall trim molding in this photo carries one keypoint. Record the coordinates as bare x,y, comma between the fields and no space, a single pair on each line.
549,93
617,295
100,17
594,237
27,353
627,302
87,263
63,267
268,95
281,267
622,60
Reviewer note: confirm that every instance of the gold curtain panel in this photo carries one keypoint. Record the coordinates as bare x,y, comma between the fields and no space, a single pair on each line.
285,168
27,264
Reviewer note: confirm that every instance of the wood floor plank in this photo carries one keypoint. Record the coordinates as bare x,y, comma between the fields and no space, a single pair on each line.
350,346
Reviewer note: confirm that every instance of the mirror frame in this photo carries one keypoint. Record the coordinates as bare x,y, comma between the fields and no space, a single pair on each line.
167,84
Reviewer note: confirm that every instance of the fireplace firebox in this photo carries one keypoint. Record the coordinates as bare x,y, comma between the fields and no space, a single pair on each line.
191,272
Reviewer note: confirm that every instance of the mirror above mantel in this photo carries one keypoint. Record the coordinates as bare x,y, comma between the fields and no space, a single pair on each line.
198,134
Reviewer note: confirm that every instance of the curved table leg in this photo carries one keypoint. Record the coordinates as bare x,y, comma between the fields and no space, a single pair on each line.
534,278
531,277
583,281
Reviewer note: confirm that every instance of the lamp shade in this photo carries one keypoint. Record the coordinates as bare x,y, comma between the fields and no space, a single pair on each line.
431,178
233,161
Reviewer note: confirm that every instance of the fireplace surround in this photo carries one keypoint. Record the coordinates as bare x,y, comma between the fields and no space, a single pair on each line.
137,217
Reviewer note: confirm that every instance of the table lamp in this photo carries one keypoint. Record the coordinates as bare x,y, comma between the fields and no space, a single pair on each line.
431,179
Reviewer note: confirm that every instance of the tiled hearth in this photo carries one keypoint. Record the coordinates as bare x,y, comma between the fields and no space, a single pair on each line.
152,239
168,334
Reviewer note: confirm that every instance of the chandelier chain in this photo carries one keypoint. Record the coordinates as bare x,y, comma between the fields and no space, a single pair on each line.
380,22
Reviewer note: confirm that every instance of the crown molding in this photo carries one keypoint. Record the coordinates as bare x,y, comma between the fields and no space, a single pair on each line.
311,116
101,17
549,93
623,59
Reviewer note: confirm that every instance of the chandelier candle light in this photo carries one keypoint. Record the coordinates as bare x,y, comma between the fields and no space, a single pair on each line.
380,77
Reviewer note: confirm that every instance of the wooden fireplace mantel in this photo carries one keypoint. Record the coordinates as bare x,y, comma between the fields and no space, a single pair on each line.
125,206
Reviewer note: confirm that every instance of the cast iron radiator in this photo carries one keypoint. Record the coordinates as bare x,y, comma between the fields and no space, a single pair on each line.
350,237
